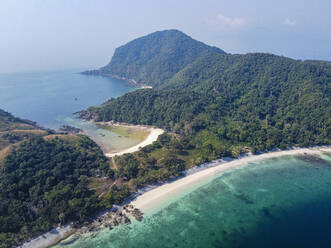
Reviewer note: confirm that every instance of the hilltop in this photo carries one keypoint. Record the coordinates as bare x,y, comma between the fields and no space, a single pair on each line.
224,104
44,179
155,58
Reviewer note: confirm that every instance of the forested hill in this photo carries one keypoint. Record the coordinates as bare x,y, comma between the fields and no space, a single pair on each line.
257,100
9,122
49,178
155,58
44,179
13,130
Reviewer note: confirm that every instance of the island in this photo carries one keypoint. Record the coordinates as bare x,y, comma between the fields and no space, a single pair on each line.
205,103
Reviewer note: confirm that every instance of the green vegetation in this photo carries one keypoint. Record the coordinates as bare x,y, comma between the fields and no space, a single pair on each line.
153,163
44,182
116,195
212,104
224,104
155,58
14,130
50,179
9,122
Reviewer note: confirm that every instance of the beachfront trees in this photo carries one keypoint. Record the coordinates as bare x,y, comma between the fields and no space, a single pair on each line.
257,100
127,166
116,195
45,182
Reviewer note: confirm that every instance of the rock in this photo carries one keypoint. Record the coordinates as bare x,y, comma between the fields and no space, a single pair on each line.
69,129
85,115
137,214
127,220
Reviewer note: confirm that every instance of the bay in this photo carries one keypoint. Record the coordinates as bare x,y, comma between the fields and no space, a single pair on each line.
281,202
51,98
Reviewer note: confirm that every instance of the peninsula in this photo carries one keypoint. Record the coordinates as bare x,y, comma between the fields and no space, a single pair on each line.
210,104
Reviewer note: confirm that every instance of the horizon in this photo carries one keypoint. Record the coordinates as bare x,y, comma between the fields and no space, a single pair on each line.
42,36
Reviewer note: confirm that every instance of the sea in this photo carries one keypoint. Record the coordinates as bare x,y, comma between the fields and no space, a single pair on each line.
52,98
280,202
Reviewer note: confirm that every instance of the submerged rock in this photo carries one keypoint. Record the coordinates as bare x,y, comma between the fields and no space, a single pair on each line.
111,220
137,214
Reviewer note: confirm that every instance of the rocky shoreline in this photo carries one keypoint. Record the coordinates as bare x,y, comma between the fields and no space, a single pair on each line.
66,129
110,219
71,232
148,196
36,125
85,115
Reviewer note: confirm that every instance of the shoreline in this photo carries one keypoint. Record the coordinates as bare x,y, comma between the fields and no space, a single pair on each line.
148,197
152,136
99,72
50,238
154,196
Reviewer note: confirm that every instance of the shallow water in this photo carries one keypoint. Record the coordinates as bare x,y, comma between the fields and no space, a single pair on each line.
283,202
51,98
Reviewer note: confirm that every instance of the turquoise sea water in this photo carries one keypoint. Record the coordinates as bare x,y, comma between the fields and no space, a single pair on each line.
283,202
51,98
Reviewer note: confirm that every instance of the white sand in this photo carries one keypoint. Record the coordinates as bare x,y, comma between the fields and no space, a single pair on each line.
55,235
50,238
154,134
145,201
153,197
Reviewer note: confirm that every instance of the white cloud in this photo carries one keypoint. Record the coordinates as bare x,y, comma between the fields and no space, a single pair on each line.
225,23
289,22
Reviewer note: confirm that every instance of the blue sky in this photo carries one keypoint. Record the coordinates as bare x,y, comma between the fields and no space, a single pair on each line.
41,35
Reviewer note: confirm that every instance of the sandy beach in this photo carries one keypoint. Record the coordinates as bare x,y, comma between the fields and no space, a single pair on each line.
154,134
50,238
57,234
153,197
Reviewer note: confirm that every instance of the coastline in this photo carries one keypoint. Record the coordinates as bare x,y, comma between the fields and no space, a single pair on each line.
50,238
103,74
60,233
153,135
149,197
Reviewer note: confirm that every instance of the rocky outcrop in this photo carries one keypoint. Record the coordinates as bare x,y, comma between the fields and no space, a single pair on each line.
66,129
135,212
110,220
85,115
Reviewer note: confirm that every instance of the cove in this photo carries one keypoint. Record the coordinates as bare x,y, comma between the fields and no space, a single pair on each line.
51,98
279,202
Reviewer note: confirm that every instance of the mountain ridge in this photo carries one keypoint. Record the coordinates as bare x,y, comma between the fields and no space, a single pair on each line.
155,58
258,91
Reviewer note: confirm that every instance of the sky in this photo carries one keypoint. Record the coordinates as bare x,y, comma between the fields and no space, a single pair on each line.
49,35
